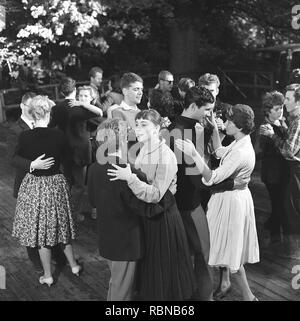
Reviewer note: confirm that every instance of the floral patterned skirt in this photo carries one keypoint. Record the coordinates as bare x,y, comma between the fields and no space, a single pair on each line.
43,213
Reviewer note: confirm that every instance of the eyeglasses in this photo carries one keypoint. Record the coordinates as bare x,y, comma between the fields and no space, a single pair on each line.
168,81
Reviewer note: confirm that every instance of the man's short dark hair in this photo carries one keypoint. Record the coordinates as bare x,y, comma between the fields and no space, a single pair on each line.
207,79
129,78
27,96
94,70
296,89
198,95
67,86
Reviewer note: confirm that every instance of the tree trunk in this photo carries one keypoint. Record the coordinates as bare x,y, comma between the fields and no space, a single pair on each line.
184,45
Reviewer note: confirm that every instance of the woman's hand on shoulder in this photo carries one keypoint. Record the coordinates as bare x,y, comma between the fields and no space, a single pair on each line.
73,103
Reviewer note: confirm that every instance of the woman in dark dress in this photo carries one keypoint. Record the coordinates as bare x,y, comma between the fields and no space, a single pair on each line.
43,216
165,272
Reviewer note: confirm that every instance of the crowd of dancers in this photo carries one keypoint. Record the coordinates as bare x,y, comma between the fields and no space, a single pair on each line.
166,178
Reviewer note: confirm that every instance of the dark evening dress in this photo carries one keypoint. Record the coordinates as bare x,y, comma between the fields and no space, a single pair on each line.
165,272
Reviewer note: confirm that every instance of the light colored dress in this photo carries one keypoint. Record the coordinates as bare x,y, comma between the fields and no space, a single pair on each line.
230,214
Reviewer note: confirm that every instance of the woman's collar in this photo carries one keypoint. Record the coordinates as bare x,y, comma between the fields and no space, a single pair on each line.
152,147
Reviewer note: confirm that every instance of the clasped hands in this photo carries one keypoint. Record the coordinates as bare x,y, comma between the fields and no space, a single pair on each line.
266,130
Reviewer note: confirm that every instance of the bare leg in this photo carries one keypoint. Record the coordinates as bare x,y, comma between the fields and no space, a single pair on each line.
68,250
241,279
45,255
224,278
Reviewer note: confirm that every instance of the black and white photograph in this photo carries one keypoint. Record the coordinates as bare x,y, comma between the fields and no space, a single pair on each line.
150,153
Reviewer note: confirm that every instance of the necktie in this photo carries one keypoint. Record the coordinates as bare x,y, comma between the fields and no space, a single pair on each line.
32,125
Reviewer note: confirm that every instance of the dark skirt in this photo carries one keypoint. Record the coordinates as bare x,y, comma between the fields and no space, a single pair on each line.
165,272
43,212
292,201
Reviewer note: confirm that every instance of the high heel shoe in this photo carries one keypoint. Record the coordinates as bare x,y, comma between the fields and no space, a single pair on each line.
77,270
48,281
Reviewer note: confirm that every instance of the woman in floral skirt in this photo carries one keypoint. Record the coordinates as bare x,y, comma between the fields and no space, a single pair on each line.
43,213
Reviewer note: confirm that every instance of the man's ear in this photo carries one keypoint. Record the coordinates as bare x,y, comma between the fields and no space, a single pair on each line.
193,106
218,91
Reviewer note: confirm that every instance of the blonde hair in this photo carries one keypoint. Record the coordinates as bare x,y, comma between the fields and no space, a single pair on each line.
40,106
89,88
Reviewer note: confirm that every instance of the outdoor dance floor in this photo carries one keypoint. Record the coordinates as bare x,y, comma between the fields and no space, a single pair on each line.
271,279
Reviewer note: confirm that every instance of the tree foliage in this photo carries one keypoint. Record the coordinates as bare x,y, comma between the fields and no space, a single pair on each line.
223,25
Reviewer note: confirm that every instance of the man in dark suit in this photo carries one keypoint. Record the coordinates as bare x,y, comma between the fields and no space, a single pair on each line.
24,166
120,238
71,118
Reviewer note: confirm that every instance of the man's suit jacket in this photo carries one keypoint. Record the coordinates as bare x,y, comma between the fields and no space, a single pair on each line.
59,115
120,237
22,165
73,122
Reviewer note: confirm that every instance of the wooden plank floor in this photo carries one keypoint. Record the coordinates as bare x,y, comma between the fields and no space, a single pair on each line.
270,279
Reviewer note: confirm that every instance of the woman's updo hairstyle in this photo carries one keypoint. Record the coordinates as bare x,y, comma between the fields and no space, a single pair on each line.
151,115
242,116
39,107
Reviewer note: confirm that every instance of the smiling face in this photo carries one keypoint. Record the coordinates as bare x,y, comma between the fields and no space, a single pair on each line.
85,96
133,94
276,112
145,130
202,112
